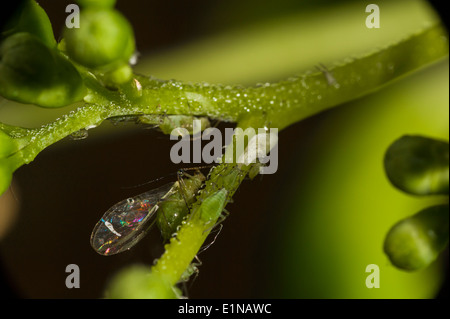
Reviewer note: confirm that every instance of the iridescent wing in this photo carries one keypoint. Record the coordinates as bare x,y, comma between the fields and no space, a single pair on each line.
127,222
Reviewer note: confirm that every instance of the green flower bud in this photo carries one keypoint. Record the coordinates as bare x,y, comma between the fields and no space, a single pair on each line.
97,3
7,145
105,39
120,75
415,242
30,72
6,173
418,165
32,18
138,282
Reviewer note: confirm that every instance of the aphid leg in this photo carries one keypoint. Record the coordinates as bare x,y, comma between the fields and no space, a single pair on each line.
199,262
330,78
180,295
185,277
171,191
195,266
185,294
193,269
182,185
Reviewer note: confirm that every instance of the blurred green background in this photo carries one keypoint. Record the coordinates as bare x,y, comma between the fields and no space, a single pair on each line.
310,230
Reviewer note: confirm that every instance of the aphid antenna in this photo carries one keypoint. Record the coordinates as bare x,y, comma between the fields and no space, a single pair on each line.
202,249
166,176
148,182
198,168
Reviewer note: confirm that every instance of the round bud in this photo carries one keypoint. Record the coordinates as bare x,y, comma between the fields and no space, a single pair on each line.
418,165
104,39
120,75
415,242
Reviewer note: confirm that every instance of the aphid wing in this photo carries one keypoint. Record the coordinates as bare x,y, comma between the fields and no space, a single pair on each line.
126,222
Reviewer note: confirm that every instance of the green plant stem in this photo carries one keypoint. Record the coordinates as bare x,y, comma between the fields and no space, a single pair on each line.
277,104
183,248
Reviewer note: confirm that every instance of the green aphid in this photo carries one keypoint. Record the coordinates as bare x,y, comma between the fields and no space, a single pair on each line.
213,206
176,205
176,124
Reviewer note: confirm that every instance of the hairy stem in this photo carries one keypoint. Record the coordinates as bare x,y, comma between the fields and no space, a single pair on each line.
183,248
276,105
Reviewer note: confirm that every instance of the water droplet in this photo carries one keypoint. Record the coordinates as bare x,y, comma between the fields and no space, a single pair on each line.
90,127
134,58
79,135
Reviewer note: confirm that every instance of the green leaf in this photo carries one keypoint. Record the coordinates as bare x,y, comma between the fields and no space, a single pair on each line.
32,18
30,72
